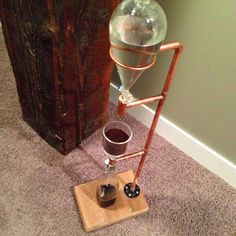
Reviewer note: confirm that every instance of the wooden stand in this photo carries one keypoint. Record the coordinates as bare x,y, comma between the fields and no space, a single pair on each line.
95,217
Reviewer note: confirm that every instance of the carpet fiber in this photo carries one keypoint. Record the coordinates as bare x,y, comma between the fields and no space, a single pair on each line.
36,194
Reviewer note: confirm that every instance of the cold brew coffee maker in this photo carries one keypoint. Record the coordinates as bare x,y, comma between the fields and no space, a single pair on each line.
137,33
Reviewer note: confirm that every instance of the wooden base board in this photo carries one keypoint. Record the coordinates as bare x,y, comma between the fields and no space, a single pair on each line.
95,217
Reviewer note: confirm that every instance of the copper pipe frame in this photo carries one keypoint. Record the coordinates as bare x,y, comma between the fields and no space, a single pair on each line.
123,105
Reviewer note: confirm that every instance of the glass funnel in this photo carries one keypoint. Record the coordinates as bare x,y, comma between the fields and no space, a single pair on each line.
137,31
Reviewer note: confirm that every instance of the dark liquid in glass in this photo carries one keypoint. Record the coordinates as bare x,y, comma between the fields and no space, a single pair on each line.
107,195
118,136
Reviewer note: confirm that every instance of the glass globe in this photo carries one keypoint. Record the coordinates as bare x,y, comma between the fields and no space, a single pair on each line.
137,31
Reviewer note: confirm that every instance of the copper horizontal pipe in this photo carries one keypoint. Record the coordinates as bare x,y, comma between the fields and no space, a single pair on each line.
122,105
143,101
125,157
129,156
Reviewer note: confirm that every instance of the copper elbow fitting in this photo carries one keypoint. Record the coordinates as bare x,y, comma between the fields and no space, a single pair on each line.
122,105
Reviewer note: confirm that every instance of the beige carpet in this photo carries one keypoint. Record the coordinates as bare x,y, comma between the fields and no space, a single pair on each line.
36,194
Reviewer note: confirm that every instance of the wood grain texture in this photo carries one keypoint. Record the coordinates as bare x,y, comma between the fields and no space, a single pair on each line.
95,217
59,54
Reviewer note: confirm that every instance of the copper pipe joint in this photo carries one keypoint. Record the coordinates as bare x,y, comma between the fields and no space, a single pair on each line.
122,105
170,46
112,162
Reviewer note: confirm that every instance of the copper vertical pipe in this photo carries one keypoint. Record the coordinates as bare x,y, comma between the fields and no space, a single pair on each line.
178,49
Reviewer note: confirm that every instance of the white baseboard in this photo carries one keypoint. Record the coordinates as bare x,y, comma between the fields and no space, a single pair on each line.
200,152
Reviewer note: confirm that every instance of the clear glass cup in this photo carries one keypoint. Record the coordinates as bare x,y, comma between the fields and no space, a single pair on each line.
107,187
116,136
